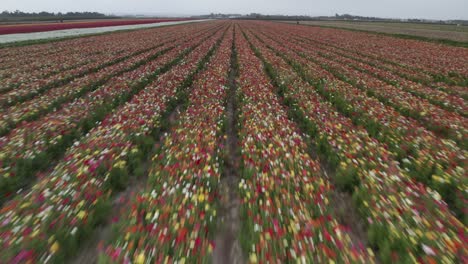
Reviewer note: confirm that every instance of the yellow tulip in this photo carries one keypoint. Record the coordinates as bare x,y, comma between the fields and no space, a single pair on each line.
140,259
201,197
55,247
253,258
81,214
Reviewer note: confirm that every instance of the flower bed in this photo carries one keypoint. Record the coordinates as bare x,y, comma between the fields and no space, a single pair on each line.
48,63
28,28
405,75
406,221
429,159
53,98
285,199
175,217
33,145
61,209
445,123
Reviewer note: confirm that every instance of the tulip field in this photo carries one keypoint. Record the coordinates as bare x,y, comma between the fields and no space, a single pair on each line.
232,141
42,27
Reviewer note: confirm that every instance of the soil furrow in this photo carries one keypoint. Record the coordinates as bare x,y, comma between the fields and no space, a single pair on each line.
228,248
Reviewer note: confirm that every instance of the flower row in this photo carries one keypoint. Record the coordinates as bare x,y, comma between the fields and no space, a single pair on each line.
175,217
34,52
397,71
18,83
81,55
286,202
445,123
426,157
417,55
53,98
32,145
47,222
404,71
94,62
406,221
434,96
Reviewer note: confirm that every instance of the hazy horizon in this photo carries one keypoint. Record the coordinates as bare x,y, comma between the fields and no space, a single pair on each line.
431,9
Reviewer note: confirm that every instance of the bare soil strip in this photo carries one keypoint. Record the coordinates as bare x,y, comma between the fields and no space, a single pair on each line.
89,252
227,247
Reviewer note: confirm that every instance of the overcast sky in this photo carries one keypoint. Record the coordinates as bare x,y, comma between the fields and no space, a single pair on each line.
432,9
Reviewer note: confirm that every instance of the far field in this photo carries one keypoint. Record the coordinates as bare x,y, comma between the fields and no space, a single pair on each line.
57,25
436,31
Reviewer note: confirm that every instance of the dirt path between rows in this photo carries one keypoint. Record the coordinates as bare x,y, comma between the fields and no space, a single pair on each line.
90,250
227,249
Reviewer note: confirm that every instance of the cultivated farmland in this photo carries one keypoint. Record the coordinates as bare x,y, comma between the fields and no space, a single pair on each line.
430,31
42,27
234,142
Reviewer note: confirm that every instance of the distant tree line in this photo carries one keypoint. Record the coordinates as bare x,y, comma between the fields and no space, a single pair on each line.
217,16
336,17
379,19
25,16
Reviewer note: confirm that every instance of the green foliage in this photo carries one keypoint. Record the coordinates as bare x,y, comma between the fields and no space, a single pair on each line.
347,179
118,178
